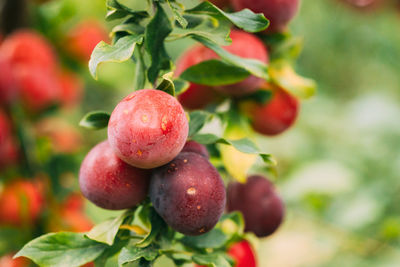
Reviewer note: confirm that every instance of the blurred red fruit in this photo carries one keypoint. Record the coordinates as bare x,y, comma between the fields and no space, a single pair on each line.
196,96
20,203
83,38
244,45
364,4
276,115
71,88
8,261
8,88
39,89
28,48
63,136
8,147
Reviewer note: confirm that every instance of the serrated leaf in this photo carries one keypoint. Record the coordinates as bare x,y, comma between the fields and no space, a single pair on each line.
106,231
214,72
132,254
62,250
121,51
156,31
284,75
214,260
95,120
167,85
197,120
244,19
255,67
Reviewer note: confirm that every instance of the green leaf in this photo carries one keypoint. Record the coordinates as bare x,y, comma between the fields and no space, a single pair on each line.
121,51
243,145
213,239
180,86
283,74
156,31
260,96
167,85
62,250
106,231
209,28
232,224
95,120
157,223
132,254
140,71
214,72
255,67
177,15
214,260
244,19
197,120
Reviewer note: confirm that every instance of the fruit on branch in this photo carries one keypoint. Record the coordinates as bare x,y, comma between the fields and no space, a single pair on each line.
244,45
148,128
243,254
8,147
279,12
21,203
197,96
39,88
262,208
71,87
188,193
8,261
276,115
109,182
83,38
192,146
29,48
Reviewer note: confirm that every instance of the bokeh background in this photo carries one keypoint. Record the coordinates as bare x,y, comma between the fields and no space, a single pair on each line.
339,166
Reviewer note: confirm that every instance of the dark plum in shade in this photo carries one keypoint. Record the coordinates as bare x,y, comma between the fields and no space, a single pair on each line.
109,182
148,128
188,193
262,208
192,146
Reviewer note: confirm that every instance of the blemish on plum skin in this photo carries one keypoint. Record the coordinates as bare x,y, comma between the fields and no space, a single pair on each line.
191,191
139,153
185,160
198,207
126,111
129,97
145,118
202,230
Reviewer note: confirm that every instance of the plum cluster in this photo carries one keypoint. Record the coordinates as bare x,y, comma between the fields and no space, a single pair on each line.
146,154
281,110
